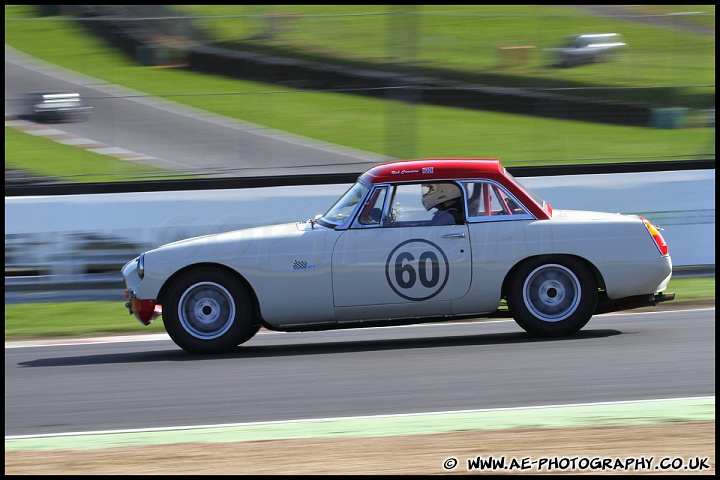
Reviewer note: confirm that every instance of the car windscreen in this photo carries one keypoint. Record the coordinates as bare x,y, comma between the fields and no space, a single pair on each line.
345,206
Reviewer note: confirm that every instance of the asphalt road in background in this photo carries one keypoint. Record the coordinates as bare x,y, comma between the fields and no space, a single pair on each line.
177,137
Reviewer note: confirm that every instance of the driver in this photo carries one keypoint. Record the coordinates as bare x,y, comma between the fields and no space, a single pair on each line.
447,199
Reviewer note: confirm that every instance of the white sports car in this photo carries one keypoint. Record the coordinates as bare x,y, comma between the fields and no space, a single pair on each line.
411,241
57,106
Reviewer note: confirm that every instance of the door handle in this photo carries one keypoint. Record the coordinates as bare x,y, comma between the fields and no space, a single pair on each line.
455,235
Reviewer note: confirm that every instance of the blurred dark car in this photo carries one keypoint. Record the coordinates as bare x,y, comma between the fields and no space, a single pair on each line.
587,49
57,106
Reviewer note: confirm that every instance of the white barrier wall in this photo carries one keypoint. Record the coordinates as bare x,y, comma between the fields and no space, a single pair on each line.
43,228
682,203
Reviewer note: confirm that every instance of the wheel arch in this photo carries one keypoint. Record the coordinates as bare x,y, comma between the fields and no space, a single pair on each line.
219,266
546,257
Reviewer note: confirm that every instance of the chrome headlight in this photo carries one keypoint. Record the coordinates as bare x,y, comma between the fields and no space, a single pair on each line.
141,266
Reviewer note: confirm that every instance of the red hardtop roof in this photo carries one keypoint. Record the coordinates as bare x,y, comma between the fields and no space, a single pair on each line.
436,169
433,169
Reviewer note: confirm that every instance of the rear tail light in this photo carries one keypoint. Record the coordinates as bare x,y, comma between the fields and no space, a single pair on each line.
659,240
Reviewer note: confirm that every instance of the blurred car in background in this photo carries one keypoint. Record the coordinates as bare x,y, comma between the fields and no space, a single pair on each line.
57,106
586,49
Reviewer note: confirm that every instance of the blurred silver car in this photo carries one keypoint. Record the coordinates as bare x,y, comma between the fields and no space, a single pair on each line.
587,48
57,106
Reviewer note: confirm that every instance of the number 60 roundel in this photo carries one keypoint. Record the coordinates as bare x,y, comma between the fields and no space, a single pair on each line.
417,269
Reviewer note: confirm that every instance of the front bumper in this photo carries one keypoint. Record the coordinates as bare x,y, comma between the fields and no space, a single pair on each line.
145,311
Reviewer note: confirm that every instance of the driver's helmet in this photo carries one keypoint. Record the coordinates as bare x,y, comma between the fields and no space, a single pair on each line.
434,194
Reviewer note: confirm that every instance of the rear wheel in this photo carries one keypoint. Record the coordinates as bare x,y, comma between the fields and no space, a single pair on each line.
554,297
208,311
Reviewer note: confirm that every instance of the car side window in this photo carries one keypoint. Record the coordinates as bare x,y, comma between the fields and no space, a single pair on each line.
371,213
406,207
409,205
486,199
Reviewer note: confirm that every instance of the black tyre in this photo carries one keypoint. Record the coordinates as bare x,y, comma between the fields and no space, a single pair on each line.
552,297
208,311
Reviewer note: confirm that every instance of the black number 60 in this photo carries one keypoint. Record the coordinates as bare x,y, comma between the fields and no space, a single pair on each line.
403,269
428,270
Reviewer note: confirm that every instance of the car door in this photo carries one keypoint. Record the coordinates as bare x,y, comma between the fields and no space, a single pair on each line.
399,258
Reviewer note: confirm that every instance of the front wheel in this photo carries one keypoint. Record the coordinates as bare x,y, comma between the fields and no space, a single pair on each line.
208,311
552,298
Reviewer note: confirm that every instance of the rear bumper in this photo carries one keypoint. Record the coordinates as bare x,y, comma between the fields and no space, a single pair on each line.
637,301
